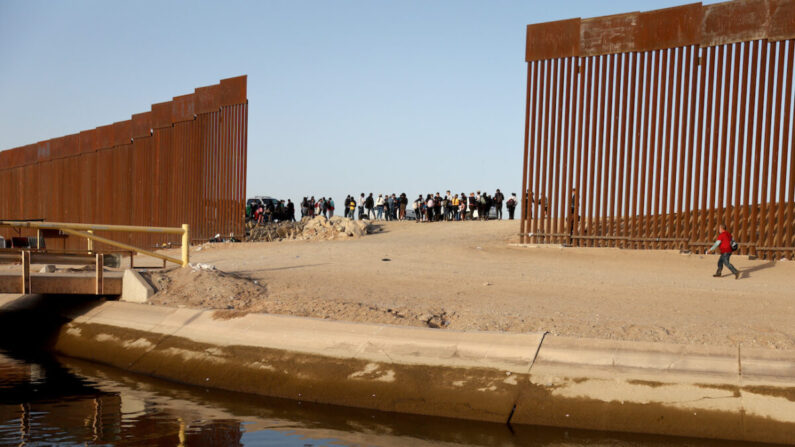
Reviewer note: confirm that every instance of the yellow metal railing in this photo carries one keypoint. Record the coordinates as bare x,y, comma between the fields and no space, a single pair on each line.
87,230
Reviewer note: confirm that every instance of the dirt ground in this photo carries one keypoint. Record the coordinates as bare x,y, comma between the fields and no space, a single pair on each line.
466,276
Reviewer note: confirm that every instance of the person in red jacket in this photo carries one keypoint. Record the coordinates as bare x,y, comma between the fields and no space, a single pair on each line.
724,243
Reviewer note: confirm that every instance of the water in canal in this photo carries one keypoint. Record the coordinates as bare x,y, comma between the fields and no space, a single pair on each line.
49,400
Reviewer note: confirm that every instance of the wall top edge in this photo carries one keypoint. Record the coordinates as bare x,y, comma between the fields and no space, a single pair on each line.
227,92
679,26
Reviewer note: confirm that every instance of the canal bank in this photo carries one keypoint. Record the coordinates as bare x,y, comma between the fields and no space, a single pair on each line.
538,379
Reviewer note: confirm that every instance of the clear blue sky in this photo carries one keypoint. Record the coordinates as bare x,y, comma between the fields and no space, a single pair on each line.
345,96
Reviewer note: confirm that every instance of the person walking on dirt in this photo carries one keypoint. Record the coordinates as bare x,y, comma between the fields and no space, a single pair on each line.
724,244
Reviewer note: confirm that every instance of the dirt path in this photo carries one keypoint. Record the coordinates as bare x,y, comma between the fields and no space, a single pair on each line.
465,276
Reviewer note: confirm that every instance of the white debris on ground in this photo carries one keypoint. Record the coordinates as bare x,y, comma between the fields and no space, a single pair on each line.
200,266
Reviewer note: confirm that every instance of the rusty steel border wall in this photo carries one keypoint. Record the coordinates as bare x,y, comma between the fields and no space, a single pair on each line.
647,129
184,161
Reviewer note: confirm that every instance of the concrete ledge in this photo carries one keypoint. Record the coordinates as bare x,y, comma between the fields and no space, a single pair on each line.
135,288
61,283
711,392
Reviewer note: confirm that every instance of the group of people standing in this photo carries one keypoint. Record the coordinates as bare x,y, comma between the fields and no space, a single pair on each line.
383,207
431,208
322,207
459,207
270,211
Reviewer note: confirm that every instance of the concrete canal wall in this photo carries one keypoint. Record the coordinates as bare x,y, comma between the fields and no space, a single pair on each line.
536,378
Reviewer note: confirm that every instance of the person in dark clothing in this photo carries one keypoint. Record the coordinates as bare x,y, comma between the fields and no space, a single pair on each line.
290,211
280,211
403,202
269,210
573,218
473,205
369,204
498,199
724,244
482,211
511,205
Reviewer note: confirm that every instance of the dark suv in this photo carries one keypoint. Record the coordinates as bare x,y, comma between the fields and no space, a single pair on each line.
264,201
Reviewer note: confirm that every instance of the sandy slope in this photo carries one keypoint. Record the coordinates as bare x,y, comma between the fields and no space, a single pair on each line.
465,276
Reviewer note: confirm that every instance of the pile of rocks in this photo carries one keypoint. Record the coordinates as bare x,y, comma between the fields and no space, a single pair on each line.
318,228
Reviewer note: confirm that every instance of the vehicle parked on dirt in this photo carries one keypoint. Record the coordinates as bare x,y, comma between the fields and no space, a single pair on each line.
278,214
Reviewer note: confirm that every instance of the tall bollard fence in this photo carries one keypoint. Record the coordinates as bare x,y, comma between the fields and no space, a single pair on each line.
184,161
648,129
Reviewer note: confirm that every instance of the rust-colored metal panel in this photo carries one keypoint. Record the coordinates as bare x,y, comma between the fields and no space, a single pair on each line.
603,186
775,198
592,161
142,125
564,218
183,108
578,209
735,21
630,153
729,215
161,115
759,106
764,200
553,40
29,154
104,138
619,146
87,140
608,34
653,186
42,152
678,153
669,28
664,138
527,131
711,141
208,99
785,226
554,152
233,91
782,20
740,226
122,133
189,172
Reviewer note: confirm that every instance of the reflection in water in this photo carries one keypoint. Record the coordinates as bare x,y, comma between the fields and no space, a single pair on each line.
65,401
46,400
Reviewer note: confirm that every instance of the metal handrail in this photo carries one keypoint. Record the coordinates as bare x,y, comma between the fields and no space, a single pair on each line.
86,231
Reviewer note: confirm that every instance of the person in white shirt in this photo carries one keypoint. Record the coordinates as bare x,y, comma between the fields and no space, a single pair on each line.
379,207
